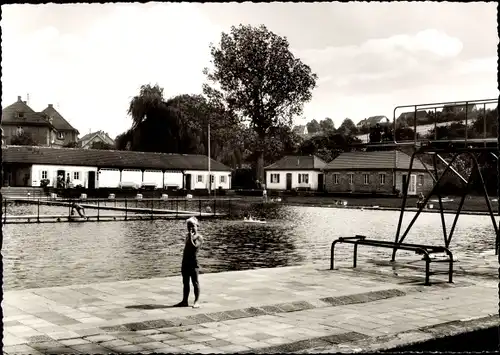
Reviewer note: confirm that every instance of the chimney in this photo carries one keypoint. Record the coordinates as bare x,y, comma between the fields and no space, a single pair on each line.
19,99
24,102
51,106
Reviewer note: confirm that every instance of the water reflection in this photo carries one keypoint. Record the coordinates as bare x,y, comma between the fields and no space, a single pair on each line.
43,255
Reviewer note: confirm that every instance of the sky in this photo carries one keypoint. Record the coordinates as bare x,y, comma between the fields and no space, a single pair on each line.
89,60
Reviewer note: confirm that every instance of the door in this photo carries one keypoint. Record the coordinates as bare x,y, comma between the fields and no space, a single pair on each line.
91,180
288,181
188,182
320,182
412,189
61,178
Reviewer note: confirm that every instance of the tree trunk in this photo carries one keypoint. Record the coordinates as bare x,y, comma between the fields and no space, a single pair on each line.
260,160
260,167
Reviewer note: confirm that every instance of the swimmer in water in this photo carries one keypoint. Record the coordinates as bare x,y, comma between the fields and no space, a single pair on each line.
78,208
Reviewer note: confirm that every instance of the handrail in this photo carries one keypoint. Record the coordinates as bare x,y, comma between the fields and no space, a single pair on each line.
420,107
417,248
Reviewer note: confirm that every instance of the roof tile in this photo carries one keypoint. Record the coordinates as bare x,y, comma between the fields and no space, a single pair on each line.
108,158
380,160
291,162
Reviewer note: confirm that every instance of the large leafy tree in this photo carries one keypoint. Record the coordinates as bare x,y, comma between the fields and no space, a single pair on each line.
327,125
313,126
258,78
347,128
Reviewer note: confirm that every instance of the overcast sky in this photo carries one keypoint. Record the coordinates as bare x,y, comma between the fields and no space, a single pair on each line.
90,60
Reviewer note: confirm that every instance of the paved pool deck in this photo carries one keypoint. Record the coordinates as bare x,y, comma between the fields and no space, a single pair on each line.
289,309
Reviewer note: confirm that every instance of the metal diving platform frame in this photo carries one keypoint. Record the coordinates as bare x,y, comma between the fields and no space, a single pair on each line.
468,146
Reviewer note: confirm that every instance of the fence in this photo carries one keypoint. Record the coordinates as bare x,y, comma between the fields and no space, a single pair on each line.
97,209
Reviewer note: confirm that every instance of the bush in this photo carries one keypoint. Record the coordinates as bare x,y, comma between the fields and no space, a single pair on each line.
44,182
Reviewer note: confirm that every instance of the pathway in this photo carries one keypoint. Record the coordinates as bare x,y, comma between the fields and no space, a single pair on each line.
289,309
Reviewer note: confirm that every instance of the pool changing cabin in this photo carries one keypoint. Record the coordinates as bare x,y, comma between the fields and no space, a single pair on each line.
92,168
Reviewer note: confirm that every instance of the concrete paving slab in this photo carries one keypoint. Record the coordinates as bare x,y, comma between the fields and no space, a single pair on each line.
288,309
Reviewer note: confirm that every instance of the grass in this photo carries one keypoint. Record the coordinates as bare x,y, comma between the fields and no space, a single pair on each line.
472,203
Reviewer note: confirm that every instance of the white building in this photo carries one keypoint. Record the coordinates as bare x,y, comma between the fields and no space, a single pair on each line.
92,168
296,172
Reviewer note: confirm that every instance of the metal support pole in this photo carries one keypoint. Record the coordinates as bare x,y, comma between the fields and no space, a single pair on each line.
424,203
435,123
199,203
441,210
38,211
415,125
488,204
98,209
484,122
466,125
451,168
459,209
355,257
126,208
403,205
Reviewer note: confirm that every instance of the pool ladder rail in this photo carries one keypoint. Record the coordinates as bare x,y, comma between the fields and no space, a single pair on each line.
420,249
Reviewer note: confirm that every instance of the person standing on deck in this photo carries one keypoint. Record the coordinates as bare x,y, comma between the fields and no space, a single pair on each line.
190,267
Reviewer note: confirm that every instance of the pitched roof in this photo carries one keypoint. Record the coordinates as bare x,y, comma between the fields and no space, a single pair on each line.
372,120
378,160
30,116
58,120
104,136
411,114
291,162
108,158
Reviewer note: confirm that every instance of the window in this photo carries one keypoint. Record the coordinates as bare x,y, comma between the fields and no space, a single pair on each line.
60,135
303,178
199,178
20,115
351,179
367,178
44,174
382,179
76,175
19,131
212,178
222,179
336,179
421,180
275,178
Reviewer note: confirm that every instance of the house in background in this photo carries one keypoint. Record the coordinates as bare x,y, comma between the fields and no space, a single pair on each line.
46,128
382,172
407,118
94,168
64,132
99,137
372,121
460,108
295,172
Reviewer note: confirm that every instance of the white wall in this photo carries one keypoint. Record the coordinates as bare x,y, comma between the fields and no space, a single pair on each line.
153,177
132,176
173,178
203,184
36,174
108,178
313,179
